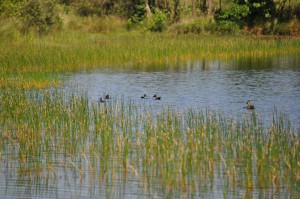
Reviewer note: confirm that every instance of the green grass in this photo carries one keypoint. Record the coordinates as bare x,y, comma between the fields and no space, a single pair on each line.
37,62
169,150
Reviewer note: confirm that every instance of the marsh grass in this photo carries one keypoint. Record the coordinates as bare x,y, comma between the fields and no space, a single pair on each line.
166,151
31,61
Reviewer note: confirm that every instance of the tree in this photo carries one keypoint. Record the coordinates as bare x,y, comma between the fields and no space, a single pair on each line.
176,11
11,8
137,12
261,11
233,18
210,8
39,16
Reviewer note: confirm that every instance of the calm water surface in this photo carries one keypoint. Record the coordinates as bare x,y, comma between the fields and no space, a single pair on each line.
271,83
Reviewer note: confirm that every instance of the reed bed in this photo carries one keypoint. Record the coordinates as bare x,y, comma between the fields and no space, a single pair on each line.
166,151
36,62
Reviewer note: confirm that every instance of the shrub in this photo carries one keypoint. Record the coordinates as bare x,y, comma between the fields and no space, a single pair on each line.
231,19
158,21
282,29
84,11
39,16
236,13
10,8
297,11
196,26
137,16
105,24
8,30
287,28
210,27
260,11
228,26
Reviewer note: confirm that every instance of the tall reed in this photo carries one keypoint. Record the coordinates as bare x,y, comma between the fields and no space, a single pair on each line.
169,151
37,62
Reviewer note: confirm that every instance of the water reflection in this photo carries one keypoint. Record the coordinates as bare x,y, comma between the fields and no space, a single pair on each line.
270,83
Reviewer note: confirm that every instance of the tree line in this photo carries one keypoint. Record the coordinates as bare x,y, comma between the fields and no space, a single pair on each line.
273,16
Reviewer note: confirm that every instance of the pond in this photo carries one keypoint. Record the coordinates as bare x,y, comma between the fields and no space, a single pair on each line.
272,84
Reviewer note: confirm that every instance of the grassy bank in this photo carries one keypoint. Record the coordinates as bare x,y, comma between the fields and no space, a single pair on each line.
29,61
167,152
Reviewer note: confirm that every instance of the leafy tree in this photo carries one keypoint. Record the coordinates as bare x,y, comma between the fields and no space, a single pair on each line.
137,12
39,16
261,11
158,21
10,8
233,18
176,11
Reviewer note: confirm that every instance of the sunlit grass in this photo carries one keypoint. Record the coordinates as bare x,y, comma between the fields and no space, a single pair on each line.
63,52
167,150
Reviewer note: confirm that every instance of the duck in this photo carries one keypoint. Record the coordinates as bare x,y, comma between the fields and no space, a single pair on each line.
144,96
249,105
107,97
156,97
101,100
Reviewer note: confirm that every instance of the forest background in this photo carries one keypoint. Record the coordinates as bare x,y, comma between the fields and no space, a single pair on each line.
256,17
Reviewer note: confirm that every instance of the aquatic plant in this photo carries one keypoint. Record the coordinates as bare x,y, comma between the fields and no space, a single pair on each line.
167,151
37,62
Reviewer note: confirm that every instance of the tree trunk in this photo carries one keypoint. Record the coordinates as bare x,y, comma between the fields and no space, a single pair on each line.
185,2
210,8
203,6
176,11
193,8
148,10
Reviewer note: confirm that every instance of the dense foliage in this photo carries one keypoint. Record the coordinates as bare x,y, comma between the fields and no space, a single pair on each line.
40,16
264,16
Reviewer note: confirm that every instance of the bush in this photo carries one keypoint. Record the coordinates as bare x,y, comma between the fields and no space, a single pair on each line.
8,30
232,19
210,27
190,27
196,26
282,29
236,13
39,16
297,11
158,21
289,28
9,8
105,24
137,16
261,11
84,11
228,26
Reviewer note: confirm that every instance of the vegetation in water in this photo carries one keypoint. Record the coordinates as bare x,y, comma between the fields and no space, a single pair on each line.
166,151
43,131
37,62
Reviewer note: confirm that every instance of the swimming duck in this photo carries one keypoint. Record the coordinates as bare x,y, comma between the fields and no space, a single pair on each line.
144,96
101,100
156,97
107,97
249,105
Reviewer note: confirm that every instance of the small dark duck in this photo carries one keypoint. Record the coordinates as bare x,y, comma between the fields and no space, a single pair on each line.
101,100
249,105
144,96
156,97
107,97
